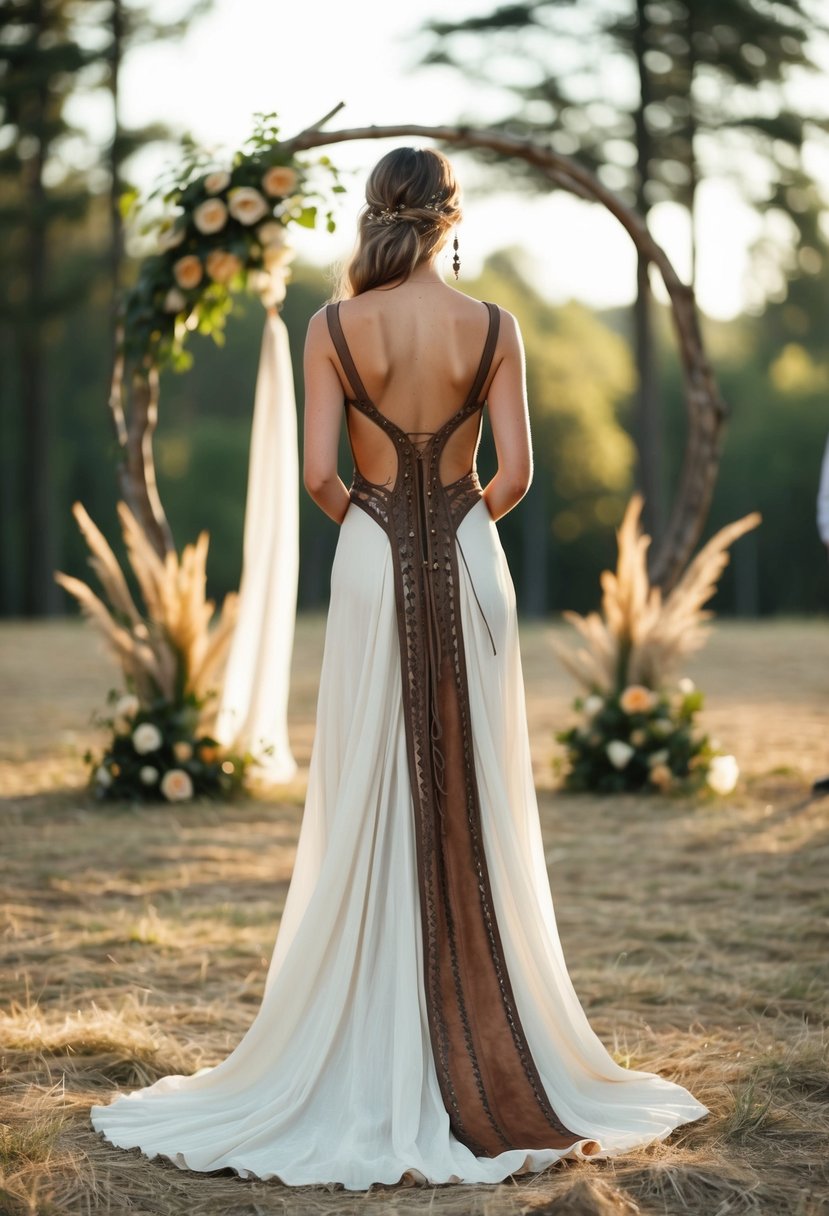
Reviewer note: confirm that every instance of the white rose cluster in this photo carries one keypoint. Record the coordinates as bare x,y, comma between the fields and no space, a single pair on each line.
146,738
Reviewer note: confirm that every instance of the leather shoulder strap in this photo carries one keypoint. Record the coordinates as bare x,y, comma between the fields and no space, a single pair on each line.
332,315
488,351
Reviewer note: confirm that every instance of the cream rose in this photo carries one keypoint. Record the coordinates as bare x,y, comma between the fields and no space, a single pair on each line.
657,758
174,301
271,233
182,751
686,685
217,181
210,216
148,775
619,753
279,181
247,205
222,266
722,774
636,699
103,776
146,738
188,272
274,257
593,704
176,785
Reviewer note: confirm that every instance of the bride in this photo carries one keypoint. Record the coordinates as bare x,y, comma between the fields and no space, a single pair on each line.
418,1018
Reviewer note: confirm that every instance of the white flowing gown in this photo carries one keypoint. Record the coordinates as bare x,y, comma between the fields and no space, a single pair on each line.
337,1080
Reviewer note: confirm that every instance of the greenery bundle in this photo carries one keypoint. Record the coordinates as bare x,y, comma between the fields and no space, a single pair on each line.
638,728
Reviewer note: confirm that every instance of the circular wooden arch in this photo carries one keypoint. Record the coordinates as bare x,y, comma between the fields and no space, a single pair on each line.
705,408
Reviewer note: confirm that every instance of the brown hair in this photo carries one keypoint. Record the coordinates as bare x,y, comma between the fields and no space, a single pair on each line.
412,202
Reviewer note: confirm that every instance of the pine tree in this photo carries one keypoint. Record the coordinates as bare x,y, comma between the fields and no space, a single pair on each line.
39,60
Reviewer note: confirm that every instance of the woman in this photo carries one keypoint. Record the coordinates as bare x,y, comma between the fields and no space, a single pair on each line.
418,1018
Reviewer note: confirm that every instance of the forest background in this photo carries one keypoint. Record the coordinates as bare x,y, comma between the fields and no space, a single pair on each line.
63,259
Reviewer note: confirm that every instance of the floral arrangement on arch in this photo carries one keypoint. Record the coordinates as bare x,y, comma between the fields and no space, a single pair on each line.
223,229
637,728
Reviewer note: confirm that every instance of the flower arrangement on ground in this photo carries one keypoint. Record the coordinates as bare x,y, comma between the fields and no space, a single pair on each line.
159,751
160,745
638,726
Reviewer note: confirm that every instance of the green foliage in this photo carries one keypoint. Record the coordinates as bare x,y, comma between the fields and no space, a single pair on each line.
157,753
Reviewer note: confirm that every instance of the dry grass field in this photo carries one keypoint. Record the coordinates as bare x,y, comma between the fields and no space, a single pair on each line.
135,941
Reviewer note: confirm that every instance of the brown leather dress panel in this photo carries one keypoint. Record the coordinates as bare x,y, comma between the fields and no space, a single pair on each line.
489,1082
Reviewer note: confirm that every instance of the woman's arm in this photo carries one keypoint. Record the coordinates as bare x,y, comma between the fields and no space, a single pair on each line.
323,414
510,421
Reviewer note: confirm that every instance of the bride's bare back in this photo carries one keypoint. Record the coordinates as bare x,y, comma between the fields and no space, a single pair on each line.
416,347
417,350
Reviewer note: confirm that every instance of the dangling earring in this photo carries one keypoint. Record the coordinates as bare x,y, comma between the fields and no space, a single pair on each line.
456,261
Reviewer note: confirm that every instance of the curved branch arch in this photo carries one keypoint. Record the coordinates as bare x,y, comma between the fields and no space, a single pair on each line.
705,408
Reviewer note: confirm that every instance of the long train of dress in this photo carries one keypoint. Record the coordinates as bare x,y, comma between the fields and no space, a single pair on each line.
335,1081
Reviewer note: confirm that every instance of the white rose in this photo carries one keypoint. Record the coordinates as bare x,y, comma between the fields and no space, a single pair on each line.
619,753
127,706
216,181
176,785
210,216
686,685
174,301
271,233
146,738
593,704
103,776
660,757
722,774
247,205
148,775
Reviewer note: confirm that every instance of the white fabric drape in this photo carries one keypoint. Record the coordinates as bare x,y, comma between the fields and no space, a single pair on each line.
253,709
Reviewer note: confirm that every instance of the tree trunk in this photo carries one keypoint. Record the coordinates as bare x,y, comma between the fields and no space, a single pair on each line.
649,415
40,594
693,171
137,472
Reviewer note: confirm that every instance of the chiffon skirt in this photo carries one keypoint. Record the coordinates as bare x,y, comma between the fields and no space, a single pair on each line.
335,1081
